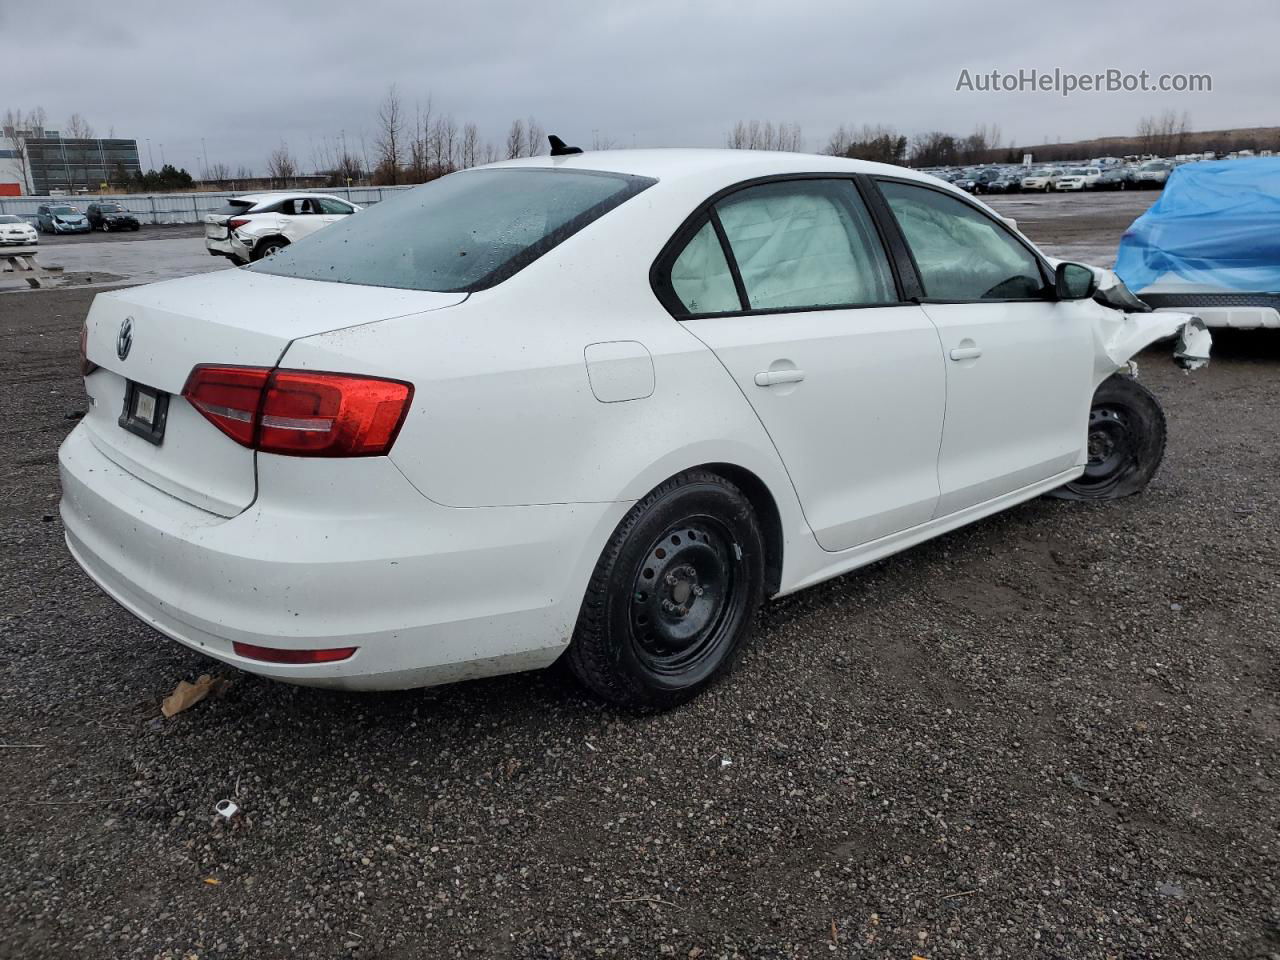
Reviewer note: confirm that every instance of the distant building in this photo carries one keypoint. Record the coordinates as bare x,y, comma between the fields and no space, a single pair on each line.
13,174
56,164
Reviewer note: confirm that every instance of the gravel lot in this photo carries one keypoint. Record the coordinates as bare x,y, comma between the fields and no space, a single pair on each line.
1053,733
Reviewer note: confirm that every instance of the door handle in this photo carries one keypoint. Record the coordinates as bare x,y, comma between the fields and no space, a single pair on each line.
769,377
966,353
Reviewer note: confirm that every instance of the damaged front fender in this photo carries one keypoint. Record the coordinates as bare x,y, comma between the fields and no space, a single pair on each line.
1127,326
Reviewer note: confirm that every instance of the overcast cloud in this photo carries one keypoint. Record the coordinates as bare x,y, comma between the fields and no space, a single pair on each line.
656,73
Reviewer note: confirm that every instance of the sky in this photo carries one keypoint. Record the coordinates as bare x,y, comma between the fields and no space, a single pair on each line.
653,73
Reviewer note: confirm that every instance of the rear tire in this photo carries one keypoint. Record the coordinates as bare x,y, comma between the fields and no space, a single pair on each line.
268,247
673,598
1127,433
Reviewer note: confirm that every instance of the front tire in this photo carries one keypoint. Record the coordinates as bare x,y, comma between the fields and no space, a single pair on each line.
673,598
1127,433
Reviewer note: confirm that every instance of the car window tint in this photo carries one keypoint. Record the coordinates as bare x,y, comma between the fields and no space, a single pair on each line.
805,243
332,206
700,276
960,253
464,232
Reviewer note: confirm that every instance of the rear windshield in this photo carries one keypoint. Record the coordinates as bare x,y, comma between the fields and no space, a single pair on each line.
461,233
234,206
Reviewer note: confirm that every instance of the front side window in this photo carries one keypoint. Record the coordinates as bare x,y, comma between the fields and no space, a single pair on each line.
805,243
961,254
460,233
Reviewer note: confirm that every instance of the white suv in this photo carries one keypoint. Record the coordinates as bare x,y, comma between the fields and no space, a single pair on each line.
256,226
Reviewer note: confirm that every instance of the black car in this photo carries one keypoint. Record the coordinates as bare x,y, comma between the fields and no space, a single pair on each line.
111,216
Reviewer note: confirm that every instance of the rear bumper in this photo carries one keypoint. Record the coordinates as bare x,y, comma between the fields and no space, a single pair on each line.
429,594
229,246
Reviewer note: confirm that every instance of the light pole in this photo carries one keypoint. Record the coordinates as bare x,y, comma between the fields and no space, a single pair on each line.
151,157
205,150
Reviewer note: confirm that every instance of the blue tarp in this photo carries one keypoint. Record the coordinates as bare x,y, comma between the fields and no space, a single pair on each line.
1217,223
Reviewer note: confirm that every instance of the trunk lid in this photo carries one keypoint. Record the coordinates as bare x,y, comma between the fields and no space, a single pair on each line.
232,317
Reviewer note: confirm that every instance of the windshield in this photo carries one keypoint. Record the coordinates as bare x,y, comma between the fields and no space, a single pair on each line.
64,210
464,232
111,208
1155,165
10,218
1078,172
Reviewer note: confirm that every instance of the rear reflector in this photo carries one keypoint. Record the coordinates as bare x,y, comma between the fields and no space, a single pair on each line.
277,655
301,413
87,366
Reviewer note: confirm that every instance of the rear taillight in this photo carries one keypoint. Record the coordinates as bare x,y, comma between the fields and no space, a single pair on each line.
300,413
237,223
279,655
87,366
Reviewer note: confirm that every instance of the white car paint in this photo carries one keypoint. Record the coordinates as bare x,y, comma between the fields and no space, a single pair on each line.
17,232
1078,178
267,218
1042,179
543,408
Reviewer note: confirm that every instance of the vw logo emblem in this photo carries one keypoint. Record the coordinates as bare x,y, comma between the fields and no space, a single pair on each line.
124,339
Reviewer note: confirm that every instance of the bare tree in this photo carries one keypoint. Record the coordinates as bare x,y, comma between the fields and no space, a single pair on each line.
444,145
533,138
754,135
934,149
390,137
17,127
470,146
601,141
218,171
515,140
78,128
281,165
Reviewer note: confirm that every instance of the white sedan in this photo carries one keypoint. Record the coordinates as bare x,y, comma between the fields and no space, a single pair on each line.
595,405
259,225
17,232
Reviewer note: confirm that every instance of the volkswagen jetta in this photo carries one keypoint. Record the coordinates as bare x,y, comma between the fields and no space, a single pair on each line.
595,405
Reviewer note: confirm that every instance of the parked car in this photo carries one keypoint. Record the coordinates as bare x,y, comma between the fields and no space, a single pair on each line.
60,218
1152,174
16,232
1078,178
1118,177
1210,244
111,216
258,225
1041,179
595,405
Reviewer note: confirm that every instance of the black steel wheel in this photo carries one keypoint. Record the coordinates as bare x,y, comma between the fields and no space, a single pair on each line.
673,597
1126,440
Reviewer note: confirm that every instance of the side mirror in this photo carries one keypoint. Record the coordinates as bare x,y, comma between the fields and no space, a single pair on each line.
1074,281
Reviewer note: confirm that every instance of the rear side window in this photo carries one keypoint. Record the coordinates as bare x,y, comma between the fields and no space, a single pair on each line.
331,206
701,278
805,243
960,253
460,233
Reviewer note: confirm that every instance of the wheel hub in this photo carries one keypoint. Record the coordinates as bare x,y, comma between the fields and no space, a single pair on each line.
1110,441
680,593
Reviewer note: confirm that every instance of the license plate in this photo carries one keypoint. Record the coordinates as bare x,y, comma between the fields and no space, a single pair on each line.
145,412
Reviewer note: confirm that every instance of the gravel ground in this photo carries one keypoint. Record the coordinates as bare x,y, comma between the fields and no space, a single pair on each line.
1053,733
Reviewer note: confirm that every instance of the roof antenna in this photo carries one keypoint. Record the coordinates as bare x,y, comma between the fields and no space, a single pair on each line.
560,149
